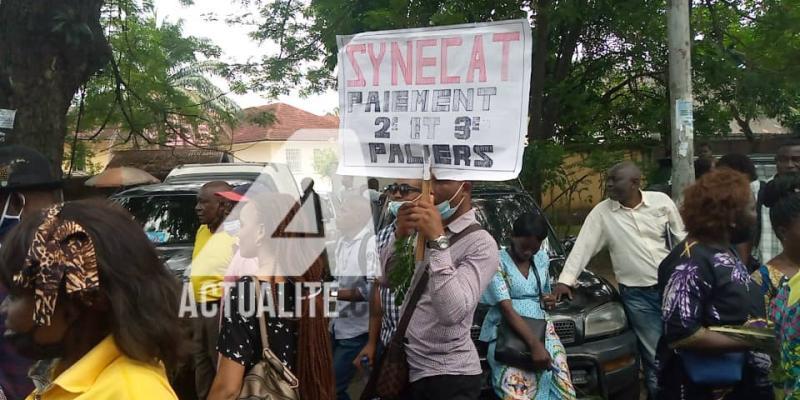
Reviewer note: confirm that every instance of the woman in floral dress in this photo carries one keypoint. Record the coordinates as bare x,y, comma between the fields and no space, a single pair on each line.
513,292
704,283
785,312
782,196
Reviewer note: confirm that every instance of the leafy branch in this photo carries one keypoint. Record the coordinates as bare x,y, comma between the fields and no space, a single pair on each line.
402,268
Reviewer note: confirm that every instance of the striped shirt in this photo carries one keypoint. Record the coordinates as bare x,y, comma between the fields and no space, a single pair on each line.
391,312
768,245
438,336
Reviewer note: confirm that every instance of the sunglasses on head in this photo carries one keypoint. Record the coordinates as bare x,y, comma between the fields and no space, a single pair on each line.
403,188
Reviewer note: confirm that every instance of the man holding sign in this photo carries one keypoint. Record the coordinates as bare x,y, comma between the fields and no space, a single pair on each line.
461,260
454,98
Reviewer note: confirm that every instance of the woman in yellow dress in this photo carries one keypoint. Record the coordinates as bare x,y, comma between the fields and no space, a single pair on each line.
89,297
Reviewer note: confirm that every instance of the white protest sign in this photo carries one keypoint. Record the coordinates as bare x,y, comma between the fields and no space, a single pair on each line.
7,118
457,94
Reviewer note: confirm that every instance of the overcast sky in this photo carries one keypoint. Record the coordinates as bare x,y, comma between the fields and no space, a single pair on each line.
236,46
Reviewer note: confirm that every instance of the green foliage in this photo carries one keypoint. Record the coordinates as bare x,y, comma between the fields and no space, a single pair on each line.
605,82
402,268
742,59
157,88
606,77
82,158
543,162
263,119
325,162
285,22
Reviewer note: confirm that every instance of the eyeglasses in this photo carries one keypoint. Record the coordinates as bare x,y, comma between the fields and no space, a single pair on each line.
403,188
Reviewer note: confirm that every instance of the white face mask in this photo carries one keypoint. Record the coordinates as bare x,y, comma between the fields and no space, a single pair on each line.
9,221
232,227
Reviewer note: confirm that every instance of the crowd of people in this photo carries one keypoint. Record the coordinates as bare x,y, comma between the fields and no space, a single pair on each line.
89,311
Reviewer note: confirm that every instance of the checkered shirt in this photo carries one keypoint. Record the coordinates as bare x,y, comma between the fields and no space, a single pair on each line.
391,312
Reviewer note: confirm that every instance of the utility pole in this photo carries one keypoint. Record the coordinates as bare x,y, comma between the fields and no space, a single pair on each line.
680,96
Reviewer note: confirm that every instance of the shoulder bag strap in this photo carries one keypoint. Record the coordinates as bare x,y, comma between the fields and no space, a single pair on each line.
402,326
262,324
405,319
458,236
535,271
538,283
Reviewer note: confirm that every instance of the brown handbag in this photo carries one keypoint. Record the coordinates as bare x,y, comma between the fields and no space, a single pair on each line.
269,379
390,379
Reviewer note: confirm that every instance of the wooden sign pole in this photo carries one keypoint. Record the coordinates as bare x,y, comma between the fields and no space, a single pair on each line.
426,197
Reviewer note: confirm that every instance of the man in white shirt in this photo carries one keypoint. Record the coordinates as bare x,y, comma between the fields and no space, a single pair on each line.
639,229
355,260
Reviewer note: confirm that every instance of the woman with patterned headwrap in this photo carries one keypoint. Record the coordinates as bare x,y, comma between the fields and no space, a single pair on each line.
88,292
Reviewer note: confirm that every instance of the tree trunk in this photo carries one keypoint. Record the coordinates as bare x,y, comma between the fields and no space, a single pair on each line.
744,124
48,49
538,77
563,66
539,69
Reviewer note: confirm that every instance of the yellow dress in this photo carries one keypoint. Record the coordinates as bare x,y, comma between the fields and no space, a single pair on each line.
104,373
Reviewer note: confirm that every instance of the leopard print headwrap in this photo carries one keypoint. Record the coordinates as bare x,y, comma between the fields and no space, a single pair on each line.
61,251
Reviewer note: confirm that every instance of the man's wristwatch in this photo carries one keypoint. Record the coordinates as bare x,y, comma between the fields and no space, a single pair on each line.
440,243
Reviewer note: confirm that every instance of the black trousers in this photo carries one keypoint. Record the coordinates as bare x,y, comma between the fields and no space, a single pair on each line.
204,336
451,387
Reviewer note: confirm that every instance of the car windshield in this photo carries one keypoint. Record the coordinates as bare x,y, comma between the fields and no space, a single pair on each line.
497,211
166,219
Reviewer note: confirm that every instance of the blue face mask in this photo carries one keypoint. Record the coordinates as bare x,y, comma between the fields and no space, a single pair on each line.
445,209
394,206
9,221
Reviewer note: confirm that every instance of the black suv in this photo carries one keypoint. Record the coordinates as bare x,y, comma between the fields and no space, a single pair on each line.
601,347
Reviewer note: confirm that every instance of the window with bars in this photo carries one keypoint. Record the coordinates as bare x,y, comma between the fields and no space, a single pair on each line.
293,159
